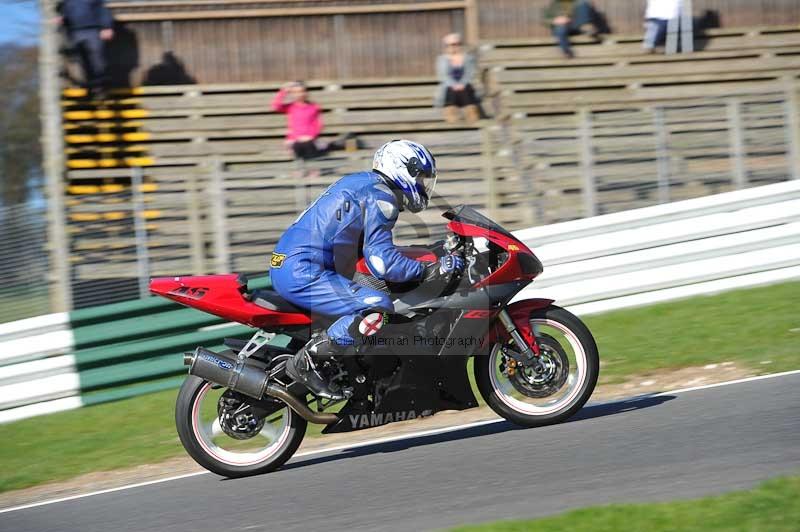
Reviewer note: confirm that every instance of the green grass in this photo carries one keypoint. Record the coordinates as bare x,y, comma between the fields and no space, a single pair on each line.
96,438
774,506
747,327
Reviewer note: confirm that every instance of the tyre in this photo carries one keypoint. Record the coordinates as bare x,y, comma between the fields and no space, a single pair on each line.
552,392
228,435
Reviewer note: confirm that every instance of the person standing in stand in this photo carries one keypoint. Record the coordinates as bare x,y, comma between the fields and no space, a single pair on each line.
656,18
89,25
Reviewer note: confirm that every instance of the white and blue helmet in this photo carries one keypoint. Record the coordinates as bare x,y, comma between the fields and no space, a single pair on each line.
411,168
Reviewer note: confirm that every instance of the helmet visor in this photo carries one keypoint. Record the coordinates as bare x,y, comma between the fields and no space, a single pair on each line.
425,175
428,184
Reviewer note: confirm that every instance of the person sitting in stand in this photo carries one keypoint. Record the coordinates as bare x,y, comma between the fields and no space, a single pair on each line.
303,120
456,70
304,124
570,17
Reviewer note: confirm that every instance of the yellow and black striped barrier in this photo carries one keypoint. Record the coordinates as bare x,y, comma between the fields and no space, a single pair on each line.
110,163
86,138
110,188
79,92
105,133
112,216
105,114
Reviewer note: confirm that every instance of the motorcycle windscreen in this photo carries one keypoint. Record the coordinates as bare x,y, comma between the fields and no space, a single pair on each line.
467,215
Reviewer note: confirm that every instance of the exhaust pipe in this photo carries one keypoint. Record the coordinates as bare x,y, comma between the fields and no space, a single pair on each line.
249,377
296,404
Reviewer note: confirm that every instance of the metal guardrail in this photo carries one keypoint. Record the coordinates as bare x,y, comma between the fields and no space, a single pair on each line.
670,251
730,240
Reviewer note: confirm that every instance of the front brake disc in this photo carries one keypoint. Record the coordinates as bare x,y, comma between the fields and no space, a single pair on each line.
553,366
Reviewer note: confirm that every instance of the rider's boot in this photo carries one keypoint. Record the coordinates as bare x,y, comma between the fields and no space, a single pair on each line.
302,369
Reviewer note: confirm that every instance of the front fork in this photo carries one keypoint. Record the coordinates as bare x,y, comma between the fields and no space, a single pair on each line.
528,346
525,341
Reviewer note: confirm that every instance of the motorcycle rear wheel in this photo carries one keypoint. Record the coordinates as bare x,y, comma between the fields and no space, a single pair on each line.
571,361
271,444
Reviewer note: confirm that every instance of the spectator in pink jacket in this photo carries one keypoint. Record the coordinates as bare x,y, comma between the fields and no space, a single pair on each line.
303,120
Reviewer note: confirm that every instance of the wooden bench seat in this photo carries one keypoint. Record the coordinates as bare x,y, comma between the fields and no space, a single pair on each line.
580,64
505,51
144,126
231,106
530,104
271,149
646,73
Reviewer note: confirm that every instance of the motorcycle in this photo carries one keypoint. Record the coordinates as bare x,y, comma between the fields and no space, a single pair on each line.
534,363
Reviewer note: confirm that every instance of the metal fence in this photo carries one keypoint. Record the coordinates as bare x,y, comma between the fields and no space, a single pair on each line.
23,262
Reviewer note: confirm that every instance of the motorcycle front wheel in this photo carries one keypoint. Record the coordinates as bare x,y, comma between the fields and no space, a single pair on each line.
552,390
228,436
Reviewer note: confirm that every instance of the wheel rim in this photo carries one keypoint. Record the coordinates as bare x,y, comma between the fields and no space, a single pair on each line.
551,334
265,443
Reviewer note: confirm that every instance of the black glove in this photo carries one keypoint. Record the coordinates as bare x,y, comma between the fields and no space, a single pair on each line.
448,267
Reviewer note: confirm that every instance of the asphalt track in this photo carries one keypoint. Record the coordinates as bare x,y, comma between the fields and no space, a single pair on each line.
680,445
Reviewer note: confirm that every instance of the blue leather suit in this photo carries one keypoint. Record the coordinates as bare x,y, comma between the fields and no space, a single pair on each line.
314,260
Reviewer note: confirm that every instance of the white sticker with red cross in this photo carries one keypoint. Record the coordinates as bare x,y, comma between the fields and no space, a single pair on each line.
371,324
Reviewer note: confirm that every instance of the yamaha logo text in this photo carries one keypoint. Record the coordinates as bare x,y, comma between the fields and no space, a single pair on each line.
381,418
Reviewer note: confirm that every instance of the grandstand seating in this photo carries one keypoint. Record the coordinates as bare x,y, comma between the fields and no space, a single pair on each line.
176,125
184,137
508,52
527,74
630,119
624,119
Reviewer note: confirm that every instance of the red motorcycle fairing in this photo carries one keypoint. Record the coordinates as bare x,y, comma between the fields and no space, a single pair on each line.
222,295
511,270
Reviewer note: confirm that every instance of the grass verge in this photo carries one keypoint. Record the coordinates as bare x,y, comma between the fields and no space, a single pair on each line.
747,326
770,507
757,328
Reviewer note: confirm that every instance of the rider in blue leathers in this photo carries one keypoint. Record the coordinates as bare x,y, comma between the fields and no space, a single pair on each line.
314,261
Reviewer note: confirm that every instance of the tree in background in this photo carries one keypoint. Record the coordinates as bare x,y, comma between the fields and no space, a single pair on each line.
20,150
23,252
